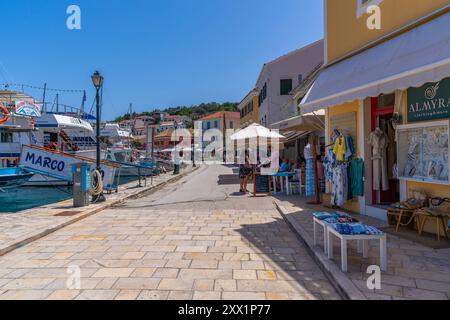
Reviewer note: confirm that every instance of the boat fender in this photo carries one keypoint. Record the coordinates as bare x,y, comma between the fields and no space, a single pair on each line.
5,114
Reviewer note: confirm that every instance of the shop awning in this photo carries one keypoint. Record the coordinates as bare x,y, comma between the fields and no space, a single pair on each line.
295,135
307,122
411,59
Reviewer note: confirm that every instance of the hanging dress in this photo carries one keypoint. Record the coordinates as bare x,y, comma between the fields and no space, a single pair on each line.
310,182
379,142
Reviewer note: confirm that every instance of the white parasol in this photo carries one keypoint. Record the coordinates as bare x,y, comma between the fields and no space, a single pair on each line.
256,131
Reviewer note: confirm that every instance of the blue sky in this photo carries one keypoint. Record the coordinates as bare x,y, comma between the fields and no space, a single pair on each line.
153,53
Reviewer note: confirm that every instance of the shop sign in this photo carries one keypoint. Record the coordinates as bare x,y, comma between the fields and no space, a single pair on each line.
429,102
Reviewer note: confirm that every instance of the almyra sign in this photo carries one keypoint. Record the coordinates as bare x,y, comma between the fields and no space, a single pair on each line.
429,102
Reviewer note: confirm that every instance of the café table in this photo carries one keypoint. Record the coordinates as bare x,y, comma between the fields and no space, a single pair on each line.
285,187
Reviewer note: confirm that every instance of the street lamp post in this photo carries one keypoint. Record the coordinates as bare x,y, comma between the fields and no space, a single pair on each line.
176,152
193,153
97,80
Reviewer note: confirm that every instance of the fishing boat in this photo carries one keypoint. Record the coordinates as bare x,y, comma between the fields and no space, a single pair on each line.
119,149
12,178
61,133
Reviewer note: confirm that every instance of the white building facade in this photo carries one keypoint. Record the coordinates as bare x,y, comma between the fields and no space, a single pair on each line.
279,77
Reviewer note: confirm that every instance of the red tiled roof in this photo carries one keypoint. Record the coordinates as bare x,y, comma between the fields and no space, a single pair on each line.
219,115
168,133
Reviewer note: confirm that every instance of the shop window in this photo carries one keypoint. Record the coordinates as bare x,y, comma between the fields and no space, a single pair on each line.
423,151
285,87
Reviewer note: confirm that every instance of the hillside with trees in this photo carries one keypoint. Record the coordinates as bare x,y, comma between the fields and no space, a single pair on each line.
194,112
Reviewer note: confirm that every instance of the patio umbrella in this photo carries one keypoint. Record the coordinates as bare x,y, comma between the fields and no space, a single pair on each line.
256,131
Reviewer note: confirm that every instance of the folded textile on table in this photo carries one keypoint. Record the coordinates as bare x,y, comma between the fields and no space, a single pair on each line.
326,215
341,220
356,229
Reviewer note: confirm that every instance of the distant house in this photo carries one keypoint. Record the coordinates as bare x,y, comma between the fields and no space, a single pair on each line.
279,77
164,140
126,124
170,125
141,124
221,121
248,109
178,119
159,115
217,120
146,119
138,125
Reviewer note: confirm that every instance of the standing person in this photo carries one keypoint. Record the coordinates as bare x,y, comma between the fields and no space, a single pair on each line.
245,171
177,162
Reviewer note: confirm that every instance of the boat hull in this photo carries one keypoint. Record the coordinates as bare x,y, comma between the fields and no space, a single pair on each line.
12,178
39,180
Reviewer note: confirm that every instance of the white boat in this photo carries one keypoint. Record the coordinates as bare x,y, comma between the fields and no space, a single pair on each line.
119,141
63,133
113,133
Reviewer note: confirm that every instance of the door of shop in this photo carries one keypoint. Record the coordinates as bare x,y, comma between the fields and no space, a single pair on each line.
381,115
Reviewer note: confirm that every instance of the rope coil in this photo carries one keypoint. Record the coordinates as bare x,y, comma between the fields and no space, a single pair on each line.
96,183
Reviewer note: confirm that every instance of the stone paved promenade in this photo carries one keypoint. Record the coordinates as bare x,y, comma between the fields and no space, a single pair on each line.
23,226
195,239
415,272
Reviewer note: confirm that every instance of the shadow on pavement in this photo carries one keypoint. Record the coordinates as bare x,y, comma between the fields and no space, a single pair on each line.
288,265
228,179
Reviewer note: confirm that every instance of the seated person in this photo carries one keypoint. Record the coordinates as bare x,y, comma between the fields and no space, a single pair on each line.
285,166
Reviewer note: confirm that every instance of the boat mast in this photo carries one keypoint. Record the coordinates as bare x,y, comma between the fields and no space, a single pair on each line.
130,145
82,104
43,98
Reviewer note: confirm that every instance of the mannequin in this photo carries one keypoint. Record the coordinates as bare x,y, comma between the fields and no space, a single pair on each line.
379,142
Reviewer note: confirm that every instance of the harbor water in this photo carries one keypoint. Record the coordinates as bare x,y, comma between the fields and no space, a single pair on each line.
25,198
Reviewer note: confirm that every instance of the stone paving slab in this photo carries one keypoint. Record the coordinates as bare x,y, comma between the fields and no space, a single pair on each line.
137,250
415,272
18,229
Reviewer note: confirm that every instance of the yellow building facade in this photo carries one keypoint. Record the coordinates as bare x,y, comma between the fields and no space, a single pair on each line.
343,20
348,38
249,109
